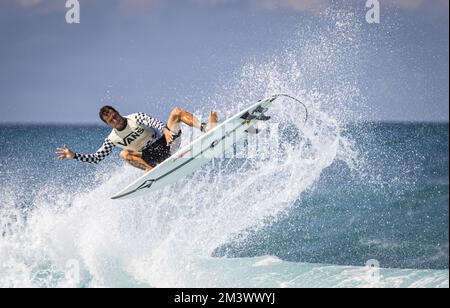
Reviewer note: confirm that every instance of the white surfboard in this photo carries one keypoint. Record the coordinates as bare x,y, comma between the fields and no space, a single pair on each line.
199,152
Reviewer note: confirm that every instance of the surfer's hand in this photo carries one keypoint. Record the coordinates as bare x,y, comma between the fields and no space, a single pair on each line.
169,135
65,153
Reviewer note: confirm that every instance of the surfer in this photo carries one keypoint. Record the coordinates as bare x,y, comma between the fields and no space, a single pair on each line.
144,140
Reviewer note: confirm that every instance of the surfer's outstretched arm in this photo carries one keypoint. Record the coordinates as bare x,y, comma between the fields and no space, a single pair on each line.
65,153
106,149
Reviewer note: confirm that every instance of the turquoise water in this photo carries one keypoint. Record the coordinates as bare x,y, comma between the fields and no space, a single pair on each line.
395,211
200,232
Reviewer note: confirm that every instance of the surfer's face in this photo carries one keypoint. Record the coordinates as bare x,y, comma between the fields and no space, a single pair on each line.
115,120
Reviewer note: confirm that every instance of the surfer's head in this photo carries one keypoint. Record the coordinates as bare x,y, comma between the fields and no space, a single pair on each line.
112,117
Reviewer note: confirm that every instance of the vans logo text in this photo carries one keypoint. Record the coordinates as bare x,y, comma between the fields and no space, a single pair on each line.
132,137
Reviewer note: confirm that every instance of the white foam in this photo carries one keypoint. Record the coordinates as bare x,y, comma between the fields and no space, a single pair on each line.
269,260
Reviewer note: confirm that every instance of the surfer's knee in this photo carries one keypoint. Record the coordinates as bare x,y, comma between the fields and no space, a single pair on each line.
125,155
176,113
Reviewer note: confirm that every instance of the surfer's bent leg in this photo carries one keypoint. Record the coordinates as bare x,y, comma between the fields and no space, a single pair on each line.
135,159
179,115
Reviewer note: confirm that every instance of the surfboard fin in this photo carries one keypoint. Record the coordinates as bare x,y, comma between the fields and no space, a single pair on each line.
261,116
257,114
248,117
260,109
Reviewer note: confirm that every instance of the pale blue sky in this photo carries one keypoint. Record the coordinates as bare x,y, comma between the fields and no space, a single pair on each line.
150,55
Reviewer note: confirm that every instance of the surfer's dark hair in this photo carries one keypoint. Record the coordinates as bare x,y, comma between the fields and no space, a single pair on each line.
104,111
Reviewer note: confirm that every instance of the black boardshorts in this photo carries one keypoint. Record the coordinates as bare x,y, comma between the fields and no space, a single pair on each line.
158,151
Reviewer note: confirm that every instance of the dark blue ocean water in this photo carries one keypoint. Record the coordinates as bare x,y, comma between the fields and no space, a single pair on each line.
394,209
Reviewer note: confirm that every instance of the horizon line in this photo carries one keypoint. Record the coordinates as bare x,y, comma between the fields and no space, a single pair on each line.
15,123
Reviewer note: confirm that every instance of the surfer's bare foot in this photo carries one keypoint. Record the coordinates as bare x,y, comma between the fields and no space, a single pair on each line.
213,120
148,170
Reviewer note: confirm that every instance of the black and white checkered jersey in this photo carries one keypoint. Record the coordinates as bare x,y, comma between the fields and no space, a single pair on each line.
145,119
108,146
